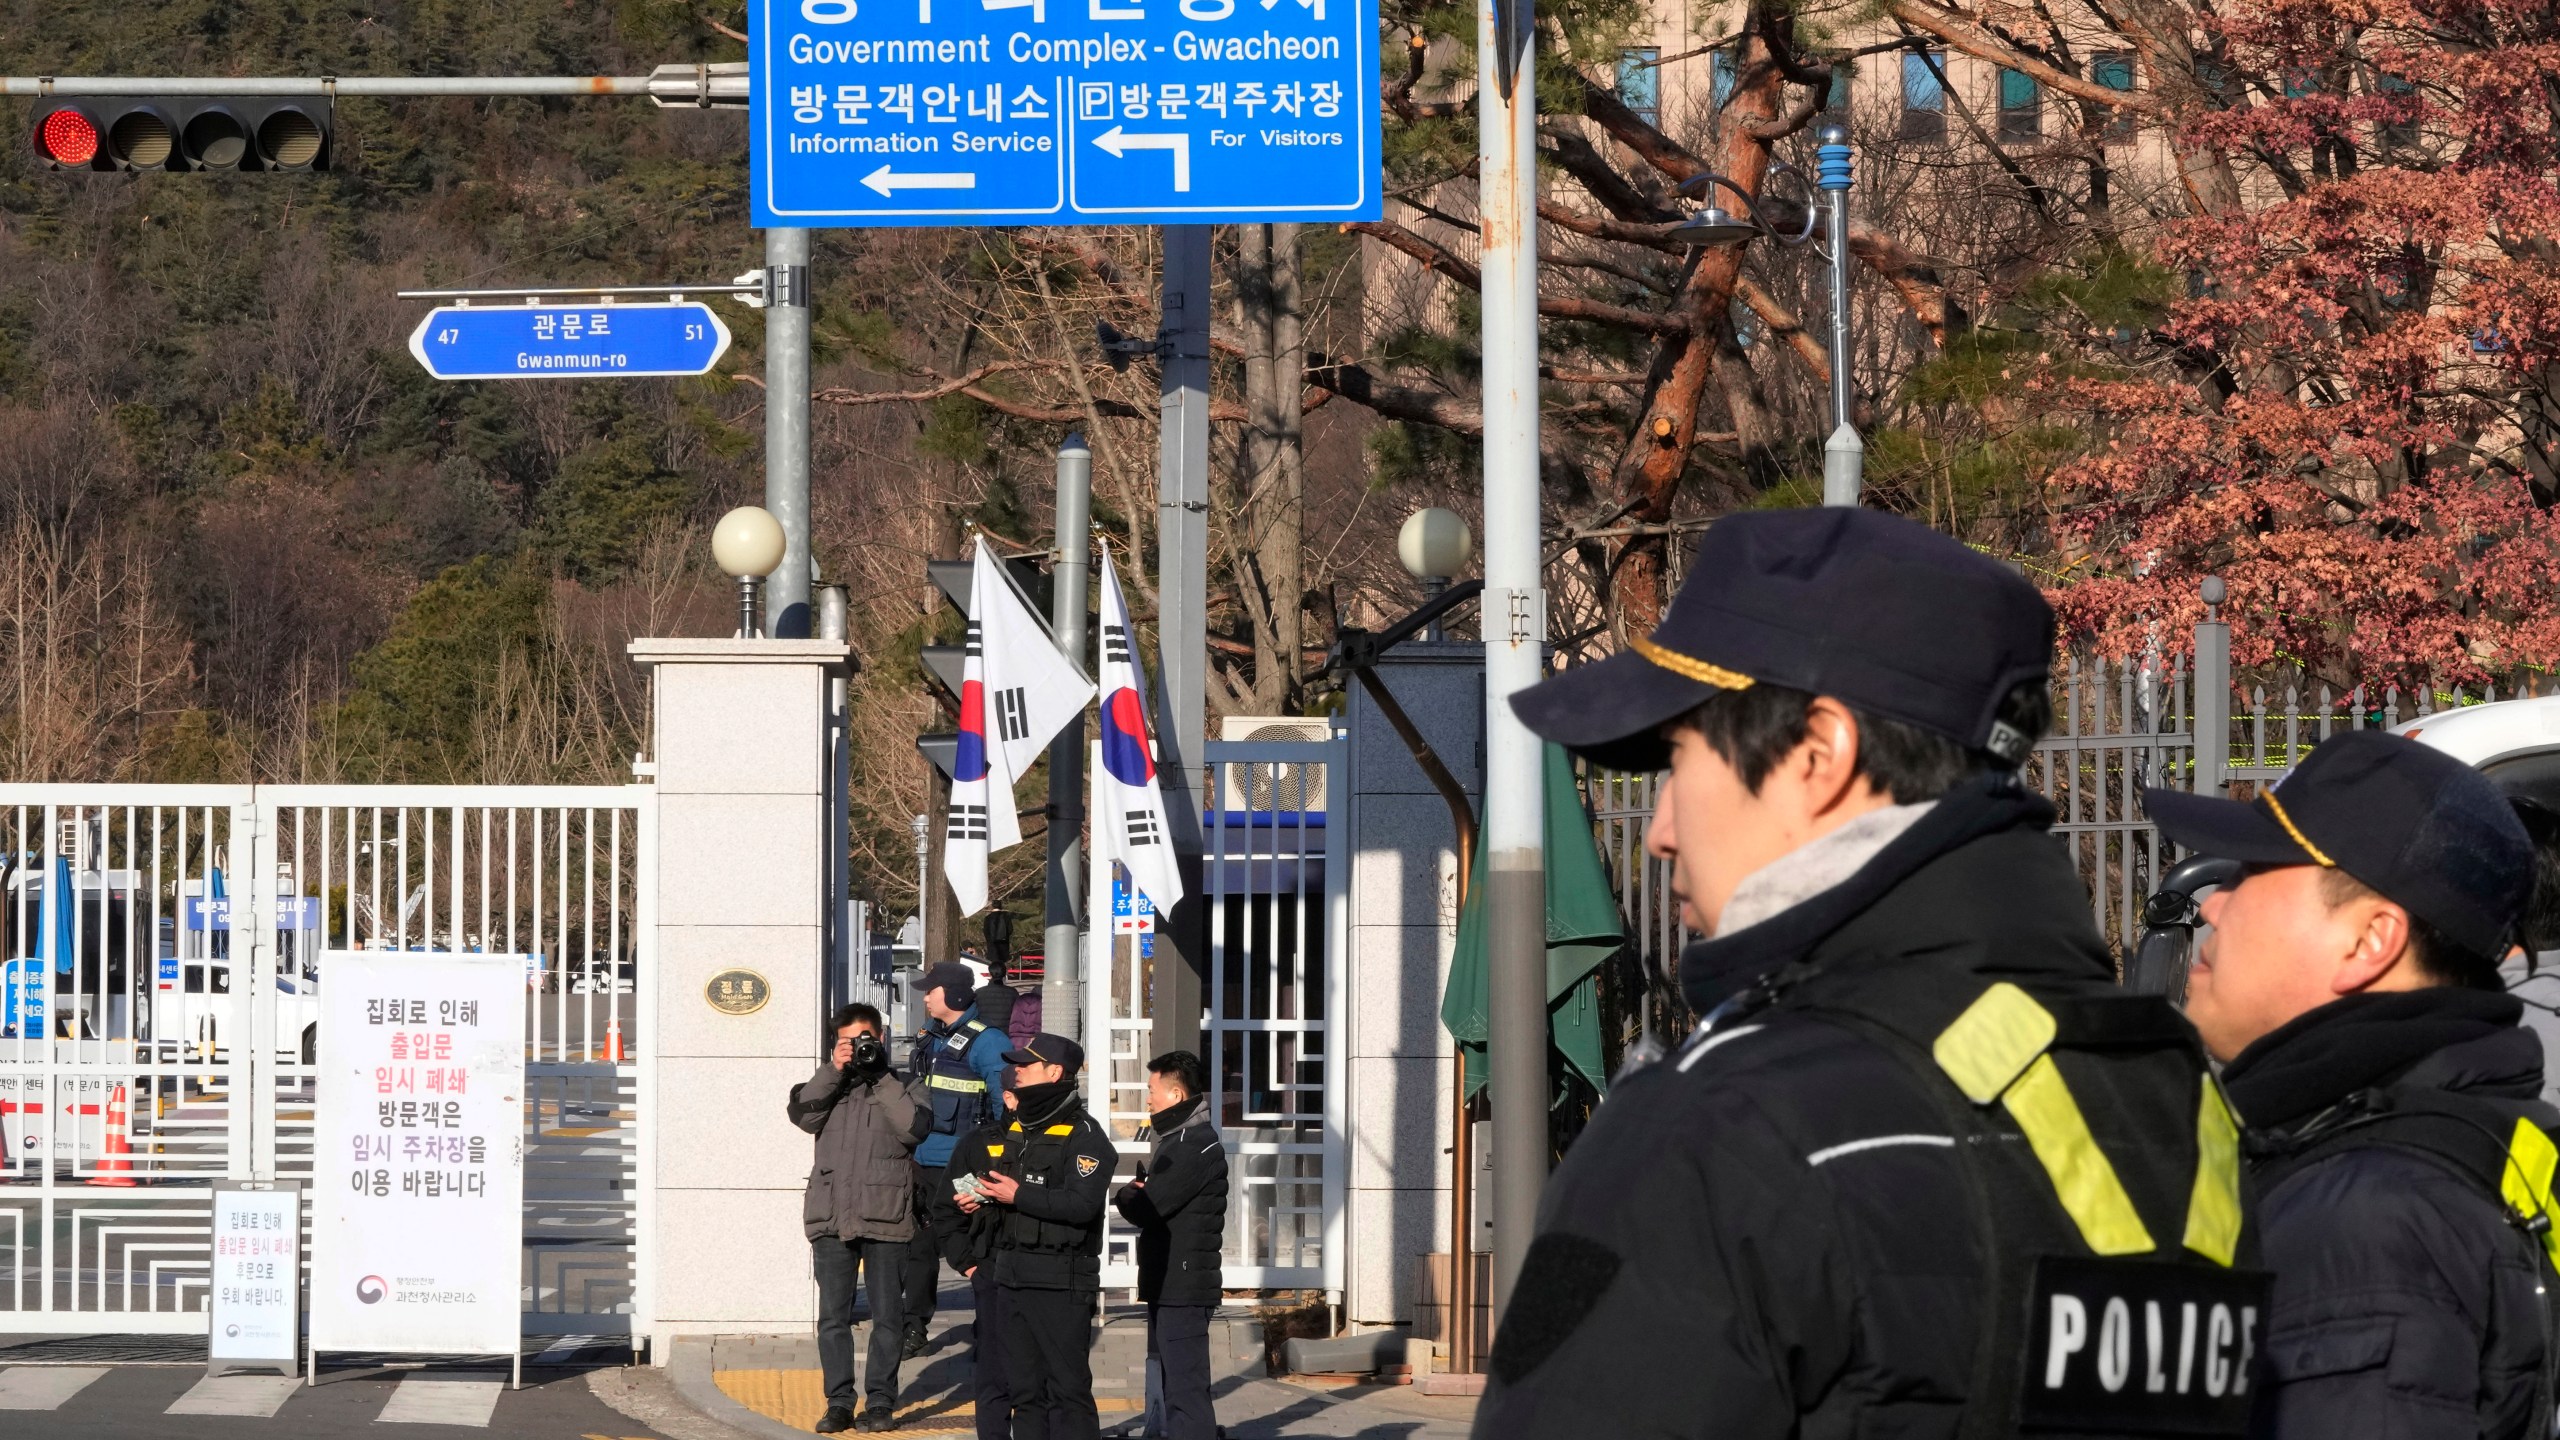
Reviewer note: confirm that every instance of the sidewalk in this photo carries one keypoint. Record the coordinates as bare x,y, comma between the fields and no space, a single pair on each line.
768,1386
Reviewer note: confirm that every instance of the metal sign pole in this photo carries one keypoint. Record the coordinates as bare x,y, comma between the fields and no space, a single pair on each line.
786,427
1182,640
1062,963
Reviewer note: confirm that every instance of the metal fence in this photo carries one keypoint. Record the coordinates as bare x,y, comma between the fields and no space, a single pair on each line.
166,948
1275,880
2118,726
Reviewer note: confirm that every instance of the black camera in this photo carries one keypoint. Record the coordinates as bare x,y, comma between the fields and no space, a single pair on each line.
870,1057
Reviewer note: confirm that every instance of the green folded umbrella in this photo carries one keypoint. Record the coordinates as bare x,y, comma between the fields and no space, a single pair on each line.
1583,929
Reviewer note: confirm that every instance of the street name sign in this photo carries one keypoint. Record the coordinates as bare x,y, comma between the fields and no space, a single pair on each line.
1062,112
569,342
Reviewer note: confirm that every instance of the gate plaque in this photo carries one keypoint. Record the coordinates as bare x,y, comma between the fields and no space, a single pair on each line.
737,992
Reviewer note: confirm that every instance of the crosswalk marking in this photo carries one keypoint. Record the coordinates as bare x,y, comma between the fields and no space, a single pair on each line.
424,1401
256,1396
44,1387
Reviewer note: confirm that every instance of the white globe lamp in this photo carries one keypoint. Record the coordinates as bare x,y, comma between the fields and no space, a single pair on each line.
1435,545
748,545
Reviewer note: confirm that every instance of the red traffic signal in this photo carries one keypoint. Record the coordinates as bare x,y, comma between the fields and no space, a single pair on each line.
67,137
211,134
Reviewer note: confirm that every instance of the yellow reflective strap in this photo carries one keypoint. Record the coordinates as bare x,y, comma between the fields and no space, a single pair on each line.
973,1085
996,1148
2082,1177
2213,1208
1059,1130
2531,1157
1992,1041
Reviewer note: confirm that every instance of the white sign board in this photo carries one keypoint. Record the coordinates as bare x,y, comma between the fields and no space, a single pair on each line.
256,1292
70,1105
418,1172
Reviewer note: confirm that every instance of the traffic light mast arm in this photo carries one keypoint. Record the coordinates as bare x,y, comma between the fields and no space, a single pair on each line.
721,84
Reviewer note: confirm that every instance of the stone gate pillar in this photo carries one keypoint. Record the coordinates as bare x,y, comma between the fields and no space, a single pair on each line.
731,1013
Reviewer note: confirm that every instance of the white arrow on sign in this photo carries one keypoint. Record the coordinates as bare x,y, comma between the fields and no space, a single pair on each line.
885,180
1120,142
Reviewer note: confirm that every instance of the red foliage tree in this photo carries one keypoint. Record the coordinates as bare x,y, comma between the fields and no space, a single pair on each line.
2355,413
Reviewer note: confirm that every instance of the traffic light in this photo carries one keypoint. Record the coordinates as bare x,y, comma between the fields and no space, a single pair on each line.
222,133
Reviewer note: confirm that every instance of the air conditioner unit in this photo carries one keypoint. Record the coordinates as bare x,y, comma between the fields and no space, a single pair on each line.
1272,785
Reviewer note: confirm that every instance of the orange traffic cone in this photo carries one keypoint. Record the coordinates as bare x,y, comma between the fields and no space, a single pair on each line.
613,1040
114,1168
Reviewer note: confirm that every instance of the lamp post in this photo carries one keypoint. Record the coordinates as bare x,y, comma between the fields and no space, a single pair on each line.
748,544
1434,545
1844,455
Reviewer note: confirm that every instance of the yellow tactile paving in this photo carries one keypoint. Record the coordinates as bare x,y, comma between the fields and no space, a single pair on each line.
798,1398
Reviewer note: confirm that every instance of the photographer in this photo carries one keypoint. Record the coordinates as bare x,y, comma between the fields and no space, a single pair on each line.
859,1211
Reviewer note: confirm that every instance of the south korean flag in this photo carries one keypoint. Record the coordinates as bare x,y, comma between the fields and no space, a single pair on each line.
1127,801
1016,693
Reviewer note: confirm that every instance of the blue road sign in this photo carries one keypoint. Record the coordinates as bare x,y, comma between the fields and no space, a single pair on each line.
293,912
1062,112
569,342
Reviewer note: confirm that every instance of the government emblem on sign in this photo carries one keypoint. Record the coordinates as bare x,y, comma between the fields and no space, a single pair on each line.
737,992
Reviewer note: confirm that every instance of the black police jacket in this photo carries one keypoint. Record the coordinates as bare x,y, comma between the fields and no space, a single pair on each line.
1181,1210
967,1237
1772,1232
1050,1237
2408,1300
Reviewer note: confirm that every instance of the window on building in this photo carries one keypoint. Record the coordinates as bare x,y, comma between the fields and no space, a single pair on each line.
2114,70
2401,281
2395,134
1721,76
1836,99
2216,79
1924,95
1640,82
2021,106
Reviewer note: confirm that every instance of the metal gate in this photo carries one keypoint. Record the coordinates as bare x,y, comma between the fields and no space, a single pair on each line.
1276,880
163,951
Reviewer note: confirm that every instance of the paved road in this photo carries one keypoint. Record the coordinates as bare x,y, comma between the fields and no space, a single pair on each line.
153,1402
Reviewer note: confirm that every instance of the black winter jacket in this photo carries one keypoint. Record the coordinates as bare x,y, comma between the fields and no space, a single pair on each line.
1181,1209
2406,1305
967,1237
1769,1233
1050,1237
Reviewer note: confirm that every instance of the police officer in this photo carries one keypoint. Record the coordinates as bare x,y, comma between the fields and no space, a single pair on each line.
1178,1202
966,1227
1051,1184
1921,1168
959,1066
2396,1136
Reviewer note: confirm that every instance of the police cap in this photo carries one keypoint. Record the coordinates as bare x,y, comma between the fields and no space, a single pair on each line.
1047,1049
2415,825
1885,615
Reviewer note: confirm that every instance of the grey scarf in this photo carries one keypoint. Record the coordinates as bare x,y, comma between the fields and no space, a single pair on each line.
1810,869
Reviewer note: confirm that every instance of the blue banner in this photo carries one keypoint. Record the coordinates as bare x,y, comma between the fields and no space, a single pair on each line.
293,912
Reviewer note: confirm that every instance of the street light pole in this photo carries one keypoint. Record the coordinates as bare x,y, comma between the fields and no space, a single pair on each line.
1844,456
1514,622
